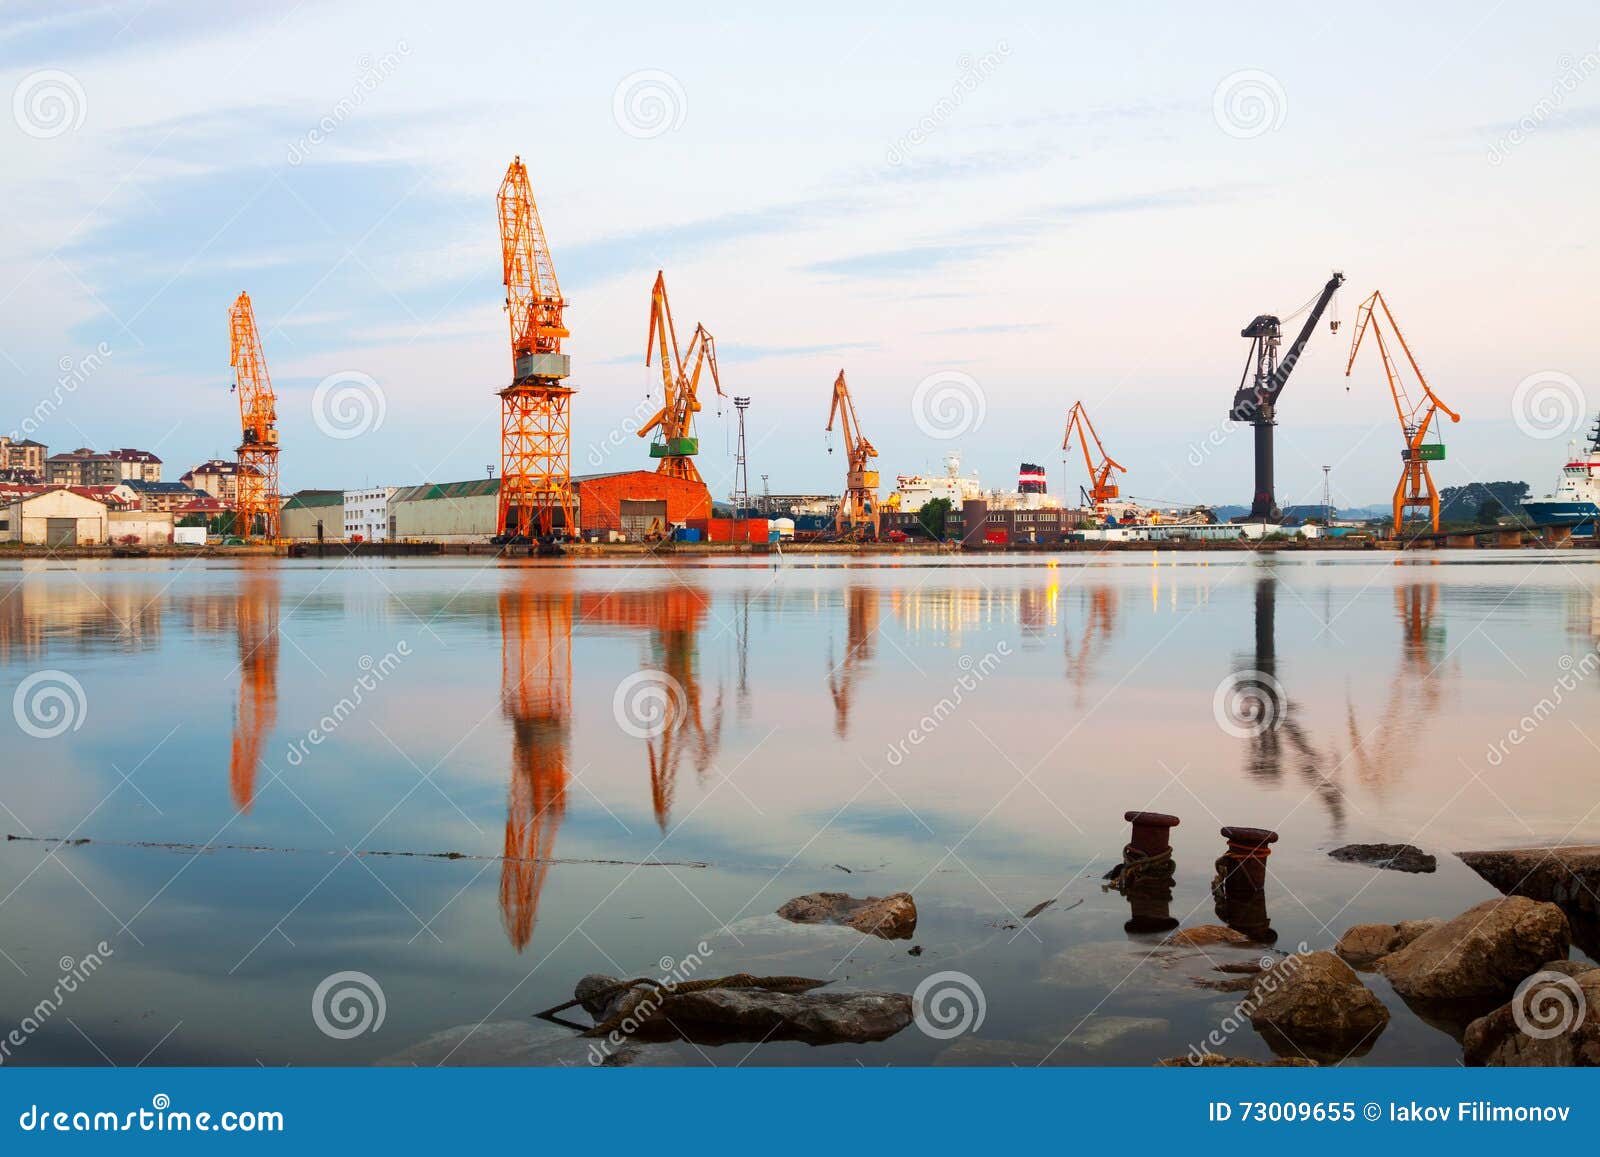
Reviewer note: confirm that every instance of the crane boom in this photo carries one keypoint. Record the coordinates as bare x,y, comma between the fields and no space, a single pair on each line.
1101,488
257,495
535,409
858,506
1415,487
673,423
1256,399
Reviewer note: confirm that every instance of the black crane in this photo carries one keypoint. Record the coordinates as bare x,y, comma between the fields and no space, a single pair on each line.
1257,401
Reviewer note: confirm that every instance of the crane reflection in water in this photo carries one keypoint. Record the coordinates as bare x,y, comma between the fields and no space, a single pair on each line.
1254,705
536,699
861,628
664,702
256,625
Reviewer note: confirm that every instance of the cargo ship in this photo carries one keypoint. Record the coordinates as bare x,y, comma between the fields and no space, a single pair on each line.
1576,501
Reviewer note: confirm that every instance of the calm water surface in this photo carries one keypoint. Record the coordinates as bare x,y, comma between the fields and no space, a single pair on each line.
968,732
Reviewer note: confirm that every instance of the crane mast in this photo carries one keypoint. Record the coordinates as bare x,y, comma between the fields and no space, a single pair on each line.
676,443
1101,488
1257,401
1415,487
257,501
858,507
535,409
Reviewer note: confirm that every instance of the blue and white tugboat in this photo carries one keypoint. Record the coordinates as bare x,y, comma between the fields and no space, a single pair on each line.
1576,502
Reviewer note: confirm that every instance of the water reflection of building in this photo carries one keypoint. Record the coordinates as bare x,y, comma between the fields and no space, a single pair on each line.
536,698
673,616
256,623
861,629
1271,717
79,615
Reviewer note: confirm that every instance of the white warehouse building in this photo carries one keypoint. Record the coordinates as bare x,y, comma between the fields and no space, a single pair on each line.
366,513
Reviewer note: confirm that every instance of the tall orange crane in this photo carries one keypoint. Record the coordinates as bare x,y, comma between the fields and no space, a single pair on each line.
536,698
256,624
1415,487
676,443
536,408
1101,488
257,503
858,506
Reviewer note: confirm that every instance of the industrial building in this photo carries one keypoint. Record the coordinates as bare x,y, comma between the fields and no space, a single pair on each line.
366,513
630,503
312,516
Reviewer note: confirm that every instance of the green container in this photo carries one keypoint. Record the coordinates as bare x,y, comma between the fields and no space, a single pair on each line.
675,448
1427,452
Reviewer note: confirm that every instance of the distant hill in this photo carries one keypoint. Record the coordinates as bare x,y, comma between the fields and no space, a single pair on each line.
1465,503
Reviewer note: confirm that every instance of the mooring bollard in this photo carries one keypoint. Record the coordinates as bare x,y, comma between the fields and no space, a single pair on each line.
1152,831
1242,869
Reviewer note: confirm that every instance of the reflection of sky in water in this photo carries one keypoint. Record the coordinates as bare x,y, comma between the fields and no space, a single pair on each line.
971,733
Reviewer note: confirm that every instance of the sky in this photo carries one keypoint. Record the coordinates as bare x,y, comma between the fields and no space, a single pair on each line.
981,213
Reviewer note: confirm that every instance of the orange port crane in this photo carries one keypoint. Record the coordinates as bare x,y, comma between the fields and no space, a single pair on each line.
257,502
536,699
858,507
1415,487
536,408
676,443
1101,488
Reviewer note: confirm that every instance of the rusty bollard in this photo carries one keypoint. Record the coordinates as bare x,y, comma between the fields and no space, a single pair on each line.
1242,869
1152,832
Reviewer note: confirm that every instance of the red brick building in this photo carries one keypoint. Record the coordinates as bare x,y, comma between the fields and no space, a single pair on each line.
632,500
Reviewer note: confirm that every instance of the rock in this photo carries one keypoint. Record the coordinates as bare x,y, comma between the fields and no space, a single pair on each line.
1363,945
891,917
1552,1019
1203,935
789,1010
1568,877
1484,952
1315,1004
1100,1032
1232,984
914,950
1396,857
1218,1061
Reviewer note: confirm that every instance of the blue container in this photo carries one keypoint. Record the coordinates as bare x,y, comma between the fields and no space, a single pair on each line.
686,534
